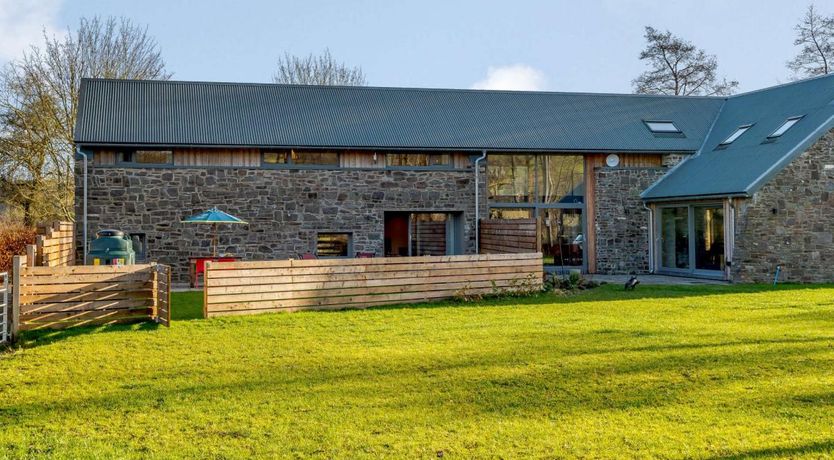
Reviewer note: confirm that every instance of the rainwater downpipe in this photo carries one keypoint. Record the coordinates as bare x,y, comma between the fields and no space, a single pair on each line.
478,200
84,225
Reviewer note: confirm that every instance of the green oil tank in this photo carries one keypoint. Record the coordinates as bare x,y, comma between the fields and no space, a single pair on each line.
111,247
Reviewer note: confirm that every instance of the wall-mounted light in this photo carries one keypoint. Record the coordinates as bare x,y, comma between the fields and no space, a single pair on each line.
375,160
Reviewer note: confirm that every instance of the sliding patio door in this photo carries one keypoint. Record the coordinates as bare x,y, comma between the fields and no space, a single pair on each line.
692,239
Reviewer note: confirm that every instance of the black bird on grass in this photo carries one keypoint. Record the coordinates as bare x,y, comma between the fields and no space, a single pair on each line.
631,283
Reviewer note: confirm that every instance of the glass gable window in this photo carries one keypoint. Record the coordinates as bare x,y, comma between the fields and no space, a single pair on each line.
293,157
738,132
147,157
416,160
788,124
662,127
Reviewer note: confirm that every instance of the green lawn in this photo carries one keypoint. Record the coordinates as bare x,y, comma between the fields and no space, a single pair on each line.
685,372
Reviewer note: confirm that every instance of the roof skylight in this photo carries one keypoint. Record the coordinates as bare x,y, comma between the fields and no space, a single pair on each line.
738,132
662,127
785,127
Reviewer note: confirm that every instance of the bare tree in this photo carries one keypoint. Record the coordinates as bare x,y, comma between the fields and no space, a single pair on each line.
317,70
39,100
677,67
815,34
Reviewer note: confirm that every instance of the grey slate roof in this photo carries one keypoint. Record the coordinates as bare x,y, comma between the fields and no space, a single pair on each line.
747,164
126,112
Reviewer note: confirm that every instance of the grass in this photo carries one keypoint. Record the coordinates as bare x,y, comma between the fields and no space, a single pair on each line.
671,372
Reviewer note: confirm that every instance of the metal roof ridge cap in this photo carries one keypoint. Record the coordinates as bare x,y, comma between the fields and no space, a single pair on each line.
401,88
782,85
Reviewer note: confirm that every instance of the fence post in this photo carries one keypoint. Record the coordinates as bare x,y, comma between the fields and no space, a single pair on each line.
206,269
538,234
30,255
14,319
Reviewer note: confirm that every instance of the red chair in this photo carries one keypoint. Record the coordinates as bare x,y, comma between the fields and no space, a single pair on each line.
308,256
365,255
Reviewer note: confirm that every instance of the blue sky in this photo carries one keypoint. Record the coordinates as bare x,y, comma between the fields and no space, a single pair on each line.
590,46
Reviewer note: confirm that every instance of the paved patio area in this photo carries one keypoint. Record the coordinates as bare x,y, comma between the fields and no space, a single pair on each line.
654,279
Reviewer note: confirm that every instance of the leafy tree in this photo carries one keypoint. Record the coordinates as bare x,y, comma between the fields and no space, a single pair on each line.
317,70
677,67
38,105
815,36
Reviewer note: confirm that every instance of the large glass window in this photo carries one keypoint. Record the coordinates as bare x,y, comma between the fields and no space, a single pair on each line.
709,238
511,213
292,157
511,178
417,159
674,231
333,244
560,178
546,179
692,238
562,238
148,157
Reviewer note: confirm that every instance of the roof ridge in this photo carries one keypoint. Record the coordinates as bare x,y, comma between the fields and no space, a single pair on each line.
782,85
400,88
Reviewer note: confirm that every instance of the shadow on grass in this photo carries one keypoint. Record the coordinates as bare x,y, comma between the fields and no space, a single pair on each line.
820,447
37,338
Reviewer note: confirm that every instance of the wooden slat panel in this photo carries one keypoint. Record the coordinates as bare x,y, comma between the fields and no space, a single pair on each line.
58,297
235,287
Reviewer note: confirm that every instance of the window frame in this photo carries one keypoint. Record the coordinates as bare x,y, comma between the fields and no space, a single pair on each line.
786,126
290,164
448,166
741,130
140,257
119,161
349,249
663,133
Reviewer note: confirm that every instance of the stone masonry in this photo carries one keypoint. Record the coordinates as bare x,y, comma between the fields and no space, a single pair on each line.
622,223
284,208
790,222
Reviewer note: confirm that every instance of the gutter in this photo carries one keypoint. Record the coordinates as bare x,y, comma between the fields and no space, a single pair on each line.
477,201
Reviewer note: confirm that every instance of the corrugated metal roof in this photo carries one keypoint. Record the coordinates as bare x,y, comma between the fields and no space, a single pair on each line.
127,112
746,164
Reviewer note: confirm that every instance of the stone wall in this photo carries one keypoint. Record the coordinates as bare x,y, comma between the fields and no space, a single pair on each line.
790,222
285,208
621,221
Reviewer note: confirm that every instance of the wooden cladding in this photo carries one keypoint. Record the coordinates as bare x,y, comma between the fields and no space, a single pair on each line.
54,246
60,297
289,285
499,236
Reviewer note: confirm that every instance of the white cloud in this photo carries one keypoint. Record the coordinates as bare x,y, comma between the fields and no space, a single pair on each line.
22,23
518,77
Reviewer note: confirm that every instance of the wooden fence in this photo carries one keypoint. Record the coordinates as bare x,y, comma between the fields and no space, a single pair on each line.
500,236
60,297
289,285
54,246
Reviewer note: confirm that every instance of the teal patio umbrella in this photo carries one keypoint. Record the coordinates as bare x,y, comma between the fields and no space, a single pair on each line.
213,216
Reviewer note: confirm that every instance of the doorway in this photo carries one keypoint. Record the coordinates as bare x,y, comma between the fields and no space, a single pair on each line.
691,239
411,234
